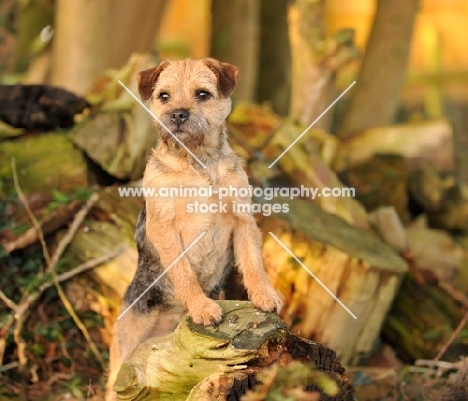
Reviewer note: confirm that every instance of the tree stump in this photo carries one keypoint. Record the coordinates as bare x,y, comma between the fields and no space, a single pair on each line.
221,362
355,265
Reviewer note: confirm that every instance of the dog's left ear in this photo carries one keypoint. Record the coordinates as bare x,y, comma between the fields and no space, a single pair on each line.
147,79
227,75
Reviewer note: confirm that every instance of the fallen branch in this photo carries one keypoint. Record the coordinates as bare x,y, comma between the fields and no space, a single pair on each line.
49,225
22,309
452,338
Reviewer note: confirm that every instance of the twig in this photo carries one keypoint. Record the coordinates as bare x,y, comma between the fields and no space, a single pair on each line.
77,320
8,302
3,336
452,337
23,309
49,224
65,241
455,294
33,219
90,264
442,365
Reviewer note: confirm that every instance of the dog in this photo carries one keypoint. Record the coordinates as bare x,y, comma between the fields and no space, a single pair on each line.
191,99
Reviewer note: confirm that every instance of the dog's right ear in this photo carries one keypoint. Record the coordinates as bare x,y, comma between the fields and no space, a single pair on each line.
147,79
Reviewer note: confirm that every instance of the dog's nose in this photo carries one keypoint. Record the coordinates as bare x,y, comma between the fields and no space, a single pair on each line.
179,116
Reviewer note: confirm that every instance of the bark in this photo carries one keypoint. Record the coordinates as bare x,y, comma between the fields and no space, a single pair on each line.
376,93
9,10
422,319
310,82
40,107
45,162
315,61
235,39
219,363
81,43
274,76
133,28
33,18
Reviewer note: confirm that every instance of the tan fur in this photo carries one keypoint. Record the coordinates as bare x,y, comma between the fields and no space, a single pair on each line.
169,227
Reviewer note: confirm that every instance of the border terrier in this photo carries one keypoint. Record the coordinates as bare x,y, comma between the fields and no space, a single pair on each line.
192,99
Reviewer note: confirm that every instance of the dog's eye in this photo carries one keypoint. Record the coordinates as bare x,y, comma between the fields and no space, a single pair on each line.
163,97
202,95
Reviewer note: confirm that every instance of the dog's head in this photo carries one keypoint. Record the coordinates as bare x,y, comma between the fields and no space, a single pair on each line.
190,98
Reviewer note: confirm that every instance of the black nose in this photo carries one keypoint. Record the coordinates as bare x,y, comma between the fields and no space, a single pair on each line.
179,116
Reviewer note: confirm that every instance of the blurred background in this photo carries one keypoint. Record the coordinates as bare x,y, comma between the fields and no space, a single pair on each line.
396,253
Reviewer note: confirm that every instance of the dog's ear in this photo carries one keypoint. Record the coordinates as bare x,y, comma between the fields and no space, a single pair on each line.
227,75
147,79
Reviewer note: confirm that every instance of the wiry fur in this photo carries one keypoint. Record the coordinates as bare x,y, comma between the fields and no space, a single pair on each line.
165,228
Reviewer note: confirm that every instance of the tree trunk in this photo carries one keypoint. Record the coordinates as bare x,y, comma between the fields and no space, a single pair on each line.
235,39
9,10
274,76
383,70
310,82
33,18
220,363
81,43
315,61
133,29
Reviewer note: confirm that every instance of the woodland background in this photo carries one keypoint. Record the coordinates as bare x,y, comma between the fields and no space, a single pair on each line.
396,255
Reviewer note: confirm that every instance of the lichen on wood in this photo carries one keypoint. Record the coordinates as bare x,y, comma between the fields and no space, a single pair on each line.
195,359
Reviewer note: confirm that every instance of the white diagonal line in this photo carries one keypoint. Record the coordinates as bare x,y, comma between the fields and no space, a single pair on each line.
313,275
161,275
160,122
311,125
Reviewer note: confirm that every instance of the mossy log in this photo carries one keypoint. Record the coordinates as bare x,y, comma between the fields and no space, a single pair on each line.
381,180
421,320
44,163
354,264
119,133
220,363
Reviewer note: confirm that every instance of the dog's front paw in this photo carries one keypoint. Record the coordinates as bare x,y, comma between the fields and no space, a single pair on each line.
266,299
205,311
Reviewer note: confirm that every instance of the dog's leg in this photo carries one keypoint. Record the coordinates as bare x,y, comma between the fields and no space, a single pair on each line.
132,329
168,244
129,332
247,241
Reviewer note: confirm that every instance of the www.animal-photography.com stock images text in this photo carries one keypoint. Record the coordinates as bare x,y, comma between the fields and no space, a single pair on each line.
236,200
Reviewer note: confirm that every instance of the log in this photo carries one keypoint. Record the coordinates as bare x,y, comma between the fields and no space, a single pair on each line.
220,363
112,227
422,319
427,189
118,135
354,264
436,251
304,164
387,224
380,181
45,163
42,107
421,143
